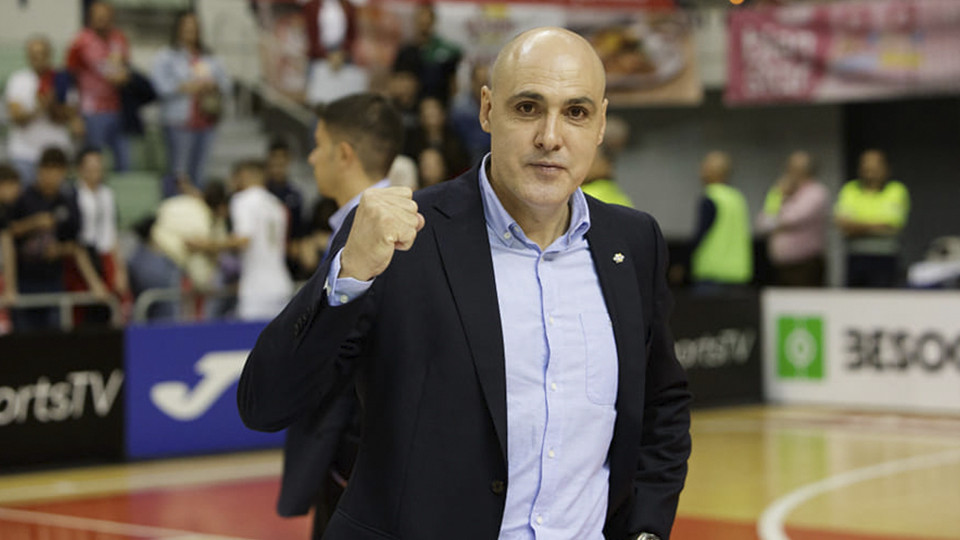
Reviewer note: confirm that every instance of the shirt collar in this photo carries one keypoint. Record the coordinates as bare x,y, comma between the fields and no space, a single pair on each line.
507,231
338,217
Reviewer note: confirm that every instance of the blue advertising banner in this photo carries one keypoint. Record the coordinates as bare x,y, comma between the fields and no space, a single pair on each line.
181,390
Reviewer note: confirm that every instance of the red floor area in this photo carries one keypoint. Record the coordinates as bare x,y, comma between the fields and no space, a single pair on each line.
246,510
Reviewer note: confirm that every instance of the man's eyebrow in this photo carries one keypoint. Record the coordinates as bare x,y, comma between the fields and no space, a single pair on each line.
527,95
583,100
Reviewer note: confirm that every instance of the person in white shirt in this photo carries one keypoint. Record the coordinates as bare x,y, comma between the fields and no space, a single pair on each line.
38,119
98,221
260,223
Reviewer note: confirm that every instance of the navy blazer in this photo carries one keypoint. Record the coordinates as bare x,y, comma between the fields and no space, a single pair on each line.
425,349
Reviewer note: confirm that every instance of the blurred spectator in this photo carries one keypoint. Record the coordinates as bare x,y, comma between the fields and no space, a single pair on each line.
871,212
98,223
191,84
599,182
46,222
794,217
9,193
185,224
465,114
432,166
403,172
616,136
331,32
435,132
314,245
40,118
278,183
260,230
722,252
99,60
431,59
402,89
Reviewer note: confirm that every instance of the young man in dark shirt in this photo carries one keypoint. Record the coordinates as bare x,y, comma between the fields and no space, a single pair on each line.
279,184
45,225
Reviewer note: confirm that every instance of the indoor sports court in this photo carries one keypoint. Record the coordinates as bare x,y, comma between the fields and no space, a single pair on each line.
773,473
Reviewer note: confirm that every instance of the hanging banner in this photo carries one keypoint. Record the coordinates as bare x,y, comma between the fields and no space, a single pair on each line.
647,46
843,51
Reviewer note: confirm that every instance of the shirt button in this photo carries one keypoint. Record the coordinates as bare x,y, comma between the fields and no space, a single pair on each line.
507,235
551,454
539,520
553,386
550,320
344,299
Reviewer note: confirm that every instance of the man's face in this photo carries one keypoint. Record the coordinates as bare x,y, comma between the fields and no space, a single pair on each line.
424,20
38,54
101,17
432,114
546,117
91,169
323,160
9,192
49,180
873,168
278,163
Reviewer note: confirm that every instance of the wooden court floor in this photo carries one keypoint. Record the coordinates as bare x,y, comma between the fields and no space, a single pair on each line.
772,473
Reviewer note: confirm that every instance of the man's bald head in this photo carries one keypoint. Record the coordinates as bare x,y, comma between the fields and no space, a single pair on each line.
533,45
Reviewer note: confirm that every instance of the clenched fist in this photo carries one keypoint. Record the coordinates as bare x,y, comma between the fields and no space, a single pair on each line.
386,220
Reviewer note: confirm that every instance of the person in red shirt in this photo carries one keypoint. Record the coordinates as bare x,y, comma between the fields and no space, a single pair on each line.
99,60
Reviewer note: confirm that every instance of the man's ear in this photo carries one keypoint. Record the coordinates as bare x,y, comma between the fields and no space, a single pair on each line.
345,153
486,103
603,121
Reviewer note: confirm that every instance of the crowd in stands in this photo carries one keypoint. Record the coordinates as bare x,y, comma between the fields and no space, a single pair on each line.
257,234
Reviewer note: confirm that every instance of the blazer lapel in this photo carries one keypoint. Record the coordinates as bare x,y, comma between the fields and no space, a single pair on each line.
617,271
464,249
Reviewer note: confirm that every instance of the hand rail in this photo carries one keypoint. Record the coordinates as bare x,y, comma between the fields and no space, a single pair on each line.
66,301
146,300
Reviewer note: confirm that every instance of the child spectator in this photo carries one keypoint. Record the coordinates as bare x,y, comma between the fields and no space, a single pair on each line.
260,226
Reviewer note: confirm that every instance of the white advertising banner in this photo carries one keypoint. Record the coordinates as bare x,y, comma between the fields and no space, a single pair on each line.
876,349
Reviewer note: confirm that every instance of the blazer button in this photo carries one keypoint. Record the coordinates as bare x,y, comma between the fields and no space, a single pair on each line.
498,487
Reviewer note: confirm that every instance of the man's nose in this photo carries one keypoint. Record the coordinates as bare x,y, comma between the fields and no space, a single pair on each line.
548,136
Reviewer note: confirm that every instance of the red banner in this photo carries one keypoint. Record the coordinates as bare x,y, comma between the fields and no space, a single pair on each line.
845,51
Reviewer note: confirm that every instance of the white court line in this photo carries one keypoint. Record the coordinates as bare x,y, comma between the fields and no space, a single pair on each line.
103,526
771,524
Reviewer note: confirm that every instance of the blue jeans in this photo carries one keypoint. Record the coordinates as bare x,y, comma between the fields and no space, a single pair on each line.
150,269
104,130
187,153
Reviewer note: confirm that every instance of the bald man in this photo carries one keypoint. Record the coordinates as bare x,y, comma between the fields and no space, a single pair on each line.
507,334
722,247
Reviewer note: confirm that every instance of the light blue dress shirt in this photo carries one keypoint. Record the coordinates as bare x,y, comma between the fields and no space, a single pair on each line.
561,369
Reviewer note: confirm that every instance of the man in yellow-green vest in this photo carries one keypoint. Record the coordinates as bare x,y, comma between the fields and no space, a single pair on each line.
722,248
599,182
871,212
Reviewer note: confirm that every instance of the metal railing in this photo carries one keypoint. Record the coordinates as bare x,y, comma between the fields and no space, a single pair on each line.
66,301
151,297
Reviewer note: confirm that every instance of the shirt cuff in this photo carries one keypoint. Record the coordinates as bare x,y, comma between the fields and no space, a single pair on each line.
340,290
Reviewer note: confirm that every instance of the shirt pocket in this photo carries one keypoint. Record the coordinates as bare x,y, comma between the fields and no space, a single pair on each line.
600,349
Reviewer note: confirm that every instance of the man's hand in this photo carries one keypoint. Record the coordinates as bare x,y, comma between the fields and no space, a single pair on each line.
386,220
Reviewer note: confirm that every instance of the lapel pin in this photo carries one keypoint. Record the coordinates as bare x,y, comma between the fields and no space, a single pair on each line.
618,257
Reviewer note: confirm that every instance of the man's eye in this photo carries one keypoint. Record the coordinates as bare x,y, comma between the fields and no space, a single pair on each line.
525,108
578,112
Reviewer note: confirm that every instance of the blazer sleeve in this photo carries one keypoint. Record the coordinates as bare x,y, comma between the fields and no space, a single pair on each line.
305,356
665,441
